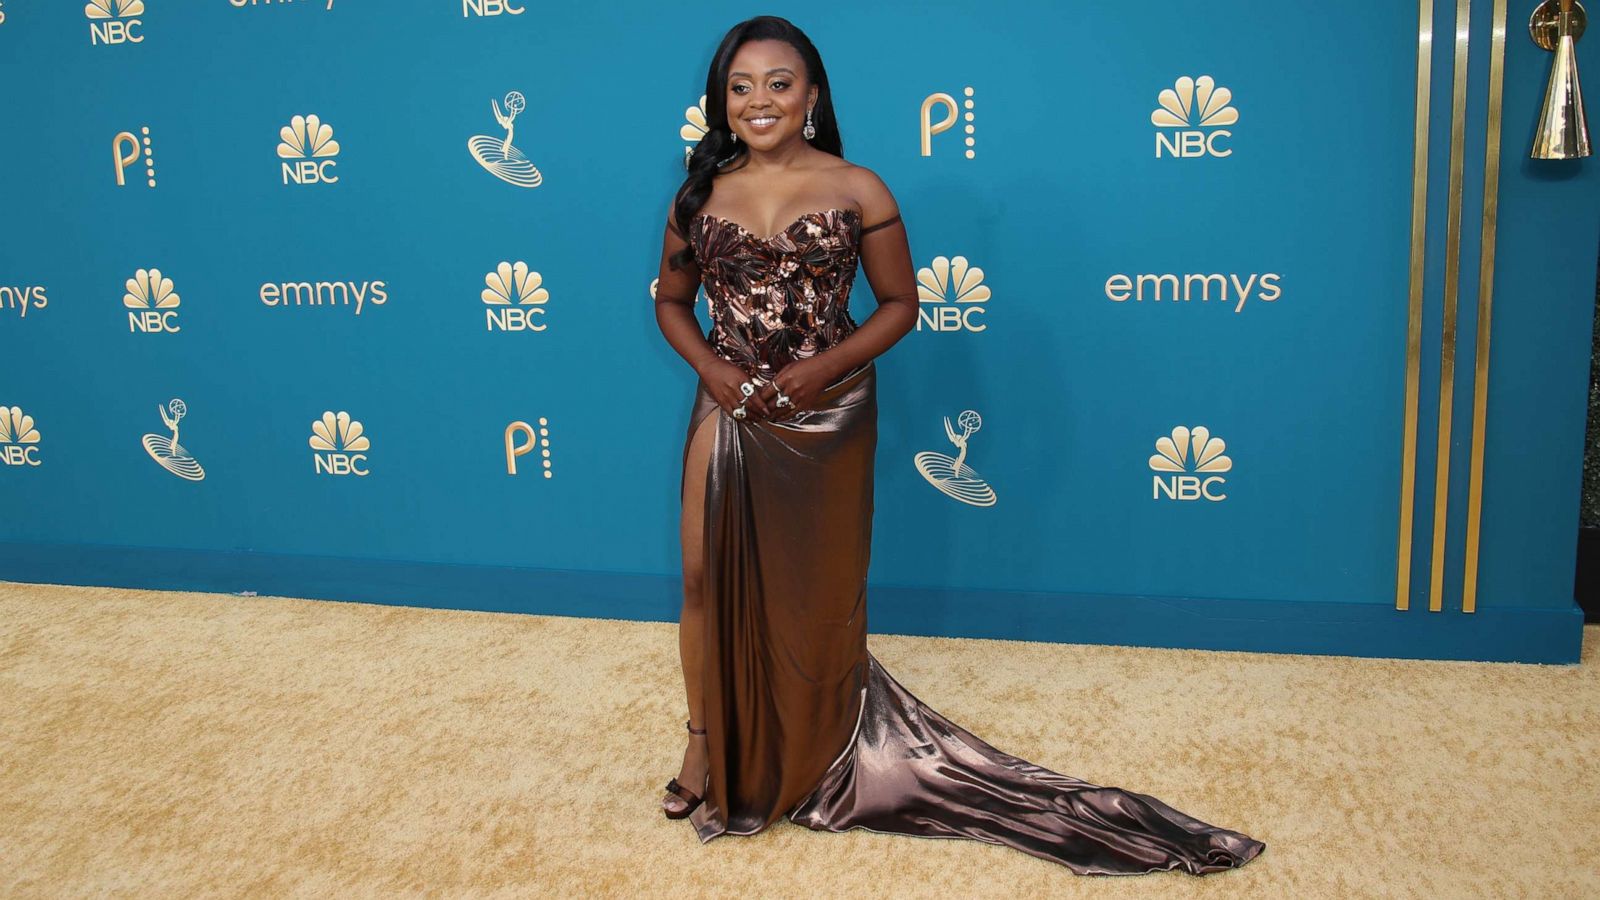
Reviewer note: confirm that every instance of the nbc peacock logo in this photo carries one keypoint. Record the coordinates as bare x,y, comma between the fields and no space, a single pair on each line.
695,126
951,296
340,445
1188,464
307,148
951,474
497,155
166,450
962,113
152,303
1191,115
514,298
523,439
19,439
115,21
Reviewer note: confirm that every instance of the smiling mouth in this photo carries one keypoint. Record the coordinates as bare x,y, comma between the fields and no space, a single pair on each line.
762,120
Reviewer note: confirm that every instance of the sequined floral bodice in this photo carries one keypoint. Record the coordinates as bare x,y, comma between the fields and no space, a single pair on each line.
782,298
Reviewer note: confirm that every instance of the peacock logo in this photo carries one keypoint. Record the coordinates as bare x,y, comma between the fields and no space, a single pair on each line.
954,293
151,302
523,439
115,21
340,444
954,114
113,9
1197,109
695,126
1187,464
19,439
149,289
127,149
307,147
515,298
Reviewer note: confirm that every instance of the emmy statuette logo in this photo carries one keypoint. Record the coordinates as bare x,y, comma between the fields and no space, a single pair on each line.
951,296
951,474
167,451
151,302
19,439
522,439
23,298
470,8
1191,114
114,21
307,146
953,114
515,301
695,126
1187,465
127,149
340,445
497,155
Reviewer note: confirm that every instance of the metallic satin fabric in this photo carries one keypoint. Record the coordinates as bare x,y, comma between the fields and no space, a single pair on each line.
788,507
909,770
802,720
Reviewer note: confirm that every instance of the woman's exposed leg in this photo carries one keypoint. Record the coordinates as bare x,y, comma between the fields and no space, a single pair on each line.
691,622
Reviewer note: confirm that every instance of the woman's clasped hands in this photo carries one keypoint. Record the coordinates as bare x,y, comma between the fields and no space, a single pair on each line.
800,383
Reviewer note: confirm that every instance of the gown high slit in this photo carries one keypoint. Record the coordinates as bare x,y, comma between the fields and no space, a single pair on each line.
801,719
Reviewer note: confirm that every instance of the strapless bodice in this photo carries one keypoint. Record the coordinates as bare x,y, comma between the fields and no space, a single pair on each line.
780,298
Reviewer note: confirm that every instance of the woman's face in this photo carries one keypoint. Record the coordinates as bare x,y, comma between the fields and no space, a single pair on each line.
768,94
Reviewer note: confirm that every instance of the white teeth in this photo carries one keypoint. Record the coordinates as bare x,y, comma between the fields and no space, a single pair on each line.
765,120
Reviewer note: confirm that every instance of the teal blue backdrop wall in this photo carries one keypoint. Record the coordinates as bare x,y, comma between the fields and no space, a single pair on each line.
1240,264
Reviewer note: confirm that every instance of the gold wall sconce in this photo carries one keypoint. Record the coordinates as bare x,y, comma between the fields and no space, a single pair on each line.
1563,133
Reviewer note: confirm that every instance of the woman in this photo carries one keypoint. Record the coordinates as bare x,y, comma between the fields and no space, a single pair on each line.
794,715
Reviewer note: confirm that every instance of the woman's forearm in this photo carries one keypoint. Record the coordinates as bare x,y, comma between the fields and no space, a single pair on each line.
882,330
682,330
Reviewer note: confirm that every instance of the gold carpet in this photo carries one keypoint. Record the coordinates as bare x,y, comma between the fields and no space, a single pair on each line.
157,744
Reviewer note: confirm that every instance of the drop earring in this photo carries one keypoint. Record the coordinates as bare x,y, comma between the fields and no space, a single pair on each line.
810,131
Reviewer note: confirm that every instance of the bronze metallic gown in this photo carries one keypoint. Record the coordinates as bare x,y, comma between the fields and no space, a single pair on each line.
801,719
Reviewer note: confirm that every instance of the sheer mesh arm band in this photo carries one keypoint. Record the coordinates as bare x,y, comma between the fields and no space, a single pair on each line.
884,224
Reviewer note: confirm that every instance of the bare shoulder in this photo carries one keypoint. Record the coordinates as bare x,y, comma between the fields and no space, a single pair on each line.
877,201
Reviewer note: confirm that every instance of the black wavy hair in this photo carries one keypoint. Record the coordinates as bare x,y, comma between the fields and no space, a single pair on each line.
717,148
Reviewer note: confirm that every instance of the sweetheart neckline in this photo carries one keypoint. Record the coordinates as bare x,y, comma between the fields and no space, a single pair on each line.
786,229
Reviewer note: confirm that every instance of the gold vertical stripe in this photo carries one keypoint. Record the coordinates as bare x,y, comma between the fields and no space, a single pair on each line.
1480,382
1452,283
1419,234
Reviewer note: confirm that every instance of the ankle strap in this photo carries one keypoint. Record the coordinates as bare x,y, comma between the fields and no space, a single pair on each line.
692,729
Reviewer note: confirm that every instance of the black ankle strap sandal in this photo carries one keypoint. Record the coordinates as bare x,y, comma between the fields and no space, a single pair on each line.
690,798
